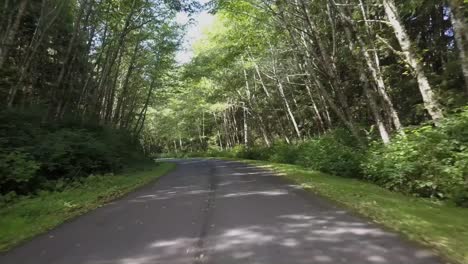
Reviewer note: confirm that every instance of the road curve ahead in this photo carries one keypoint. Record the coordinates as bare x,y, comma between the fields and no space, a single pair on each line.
219,212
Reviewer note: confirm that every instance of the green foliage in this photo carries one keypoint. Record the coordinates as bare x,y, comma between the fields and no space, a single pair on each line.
237,152
428,161
461,197
255,153
16,169
8,198
281,153
26,217
329,154
335,153
68,153
33,153
434,223
20,128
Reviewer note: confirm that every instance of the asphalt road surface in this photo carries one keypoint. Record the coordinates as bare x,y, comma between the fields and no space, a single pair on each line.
219,212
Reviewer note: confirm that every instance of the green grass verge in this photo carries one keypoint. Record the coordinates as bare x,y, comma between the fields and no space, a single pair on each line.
443,227
29,217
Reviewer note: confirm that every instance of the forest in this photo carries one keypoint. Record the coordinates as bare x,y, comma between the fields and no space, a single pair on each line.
375,90
77,79
370,95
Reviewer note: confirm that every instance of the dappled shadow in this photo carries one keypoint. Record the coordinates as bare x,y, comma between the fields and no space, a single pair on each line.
296,238
223,212
168,194
257,218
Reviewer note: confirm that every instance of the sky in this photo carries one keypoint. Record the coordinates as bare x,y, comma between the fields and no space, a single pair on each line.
195,30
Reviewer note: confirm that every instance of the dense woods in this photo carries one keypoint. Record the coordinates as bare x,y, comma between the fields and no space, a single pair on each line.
372,89
362,102
76,81
368,89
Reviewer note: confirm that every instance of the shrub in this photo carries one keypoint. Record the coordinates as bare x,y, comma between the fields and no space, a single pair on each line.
8,198
33,152
122,147
282,153
255,153
20,129
72,153
461,197
428,161
331,156
337,153
236,152
17,169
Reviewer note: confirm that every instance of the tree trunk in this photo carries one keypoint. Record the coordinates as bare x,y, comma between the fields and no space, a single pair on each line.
112,57
39,35
226,131
430,102
71,44
461,36
246,128
10,34
279,85
373,63
142,116
337,110
218,134
265,89
263,130
124,92
320,122
110,101
288,108
375,110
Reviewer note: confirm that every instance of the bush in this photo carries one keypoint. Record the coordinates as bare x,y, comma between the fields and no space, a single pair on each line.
72,153
255,153
461,197
122,147
20,129
336,153
332,153
17,169
428,161
282,153
36,155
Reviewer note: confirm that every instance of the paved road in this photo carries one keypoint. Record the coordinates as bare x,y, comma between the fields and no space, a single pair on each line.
219,212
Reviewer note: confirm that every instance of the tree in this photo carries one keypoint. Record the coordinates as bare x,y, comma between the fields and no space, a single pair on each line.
430,102
293,70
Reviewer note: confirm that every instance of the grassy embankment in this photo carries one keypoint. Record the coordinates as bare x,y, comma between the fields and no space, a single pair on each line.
439,225
28,217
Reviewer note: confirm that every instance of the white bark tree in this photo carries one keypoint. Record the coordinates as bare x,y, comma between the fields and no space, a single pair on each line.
430,102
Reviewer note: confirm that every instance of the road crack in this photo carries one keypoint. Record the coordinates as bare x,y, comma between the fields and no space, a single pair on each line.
201,255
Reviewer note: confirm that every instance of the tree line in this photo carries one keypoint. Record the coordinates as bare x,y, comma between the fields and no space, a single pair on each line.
97,60
77,79
292,70
371,89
